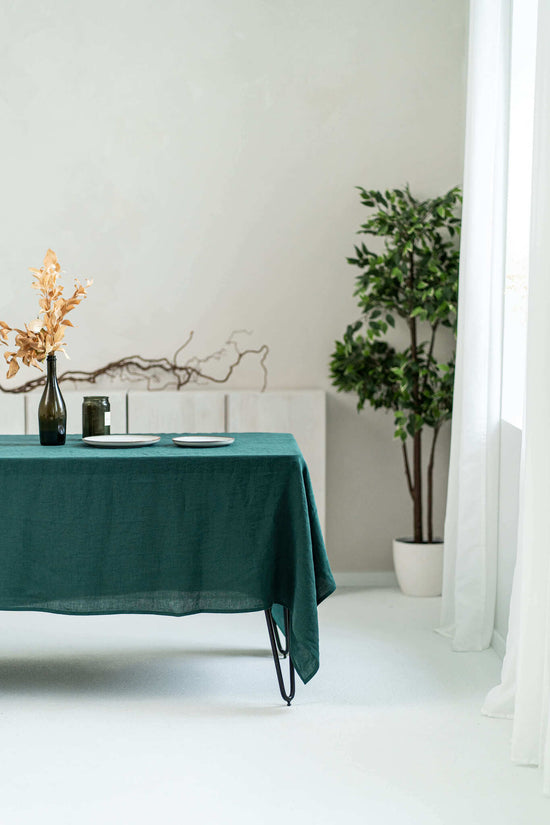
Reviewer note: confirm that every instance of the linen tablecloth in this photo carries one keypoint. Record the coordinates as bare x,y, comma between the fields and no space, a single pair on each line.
162,529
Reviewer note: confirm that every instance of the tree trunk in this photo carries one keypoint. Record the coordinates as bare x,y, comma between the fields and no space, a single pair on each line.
431,486
407,470
417,486
417,438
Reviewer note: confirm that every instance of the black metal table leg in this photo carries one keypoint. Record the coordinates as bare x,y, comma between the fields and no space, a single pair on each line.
277,648
282,650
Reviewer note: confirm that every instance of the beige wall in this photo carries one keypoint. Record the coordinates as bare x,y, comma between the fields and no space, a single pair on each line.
198,160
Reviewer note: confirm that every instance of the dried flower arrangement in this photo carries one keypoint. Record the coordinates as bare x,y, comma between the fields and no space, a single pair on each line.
44,335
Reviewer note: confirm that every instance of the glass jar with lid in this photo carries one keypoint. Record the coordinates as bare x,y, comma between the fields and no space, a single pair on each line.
96,415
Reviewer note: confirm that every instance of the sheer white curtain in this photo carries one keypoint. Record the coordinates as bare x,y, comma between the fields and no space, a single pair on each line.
525,688
471,526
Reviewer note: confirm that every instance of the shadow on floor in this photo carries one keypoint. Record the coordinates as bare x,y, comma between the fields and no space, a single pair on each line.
142,673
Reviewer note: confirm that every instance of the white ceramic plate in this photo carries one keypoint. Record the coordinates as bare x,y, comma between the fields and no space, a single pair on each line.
117,441
202,441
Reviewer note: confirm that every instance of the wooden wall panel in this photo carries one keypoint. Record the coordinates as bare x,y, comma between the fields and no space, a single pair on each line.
176,412
12,414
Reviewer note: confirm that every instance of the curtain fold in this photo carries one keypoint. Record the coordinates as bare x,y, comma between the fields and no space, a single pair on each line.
525,687
471,526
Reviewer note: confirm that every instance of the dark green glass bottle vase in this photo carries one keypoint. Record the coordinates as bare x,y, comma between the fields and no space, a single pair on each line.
52,412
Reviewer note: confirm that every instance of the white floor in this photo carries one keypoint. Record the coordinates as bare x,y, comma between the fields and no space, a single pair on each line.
151,720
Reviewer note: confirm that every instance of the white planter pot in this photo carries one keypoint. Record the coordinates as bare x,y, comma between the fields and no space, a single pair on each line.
418,567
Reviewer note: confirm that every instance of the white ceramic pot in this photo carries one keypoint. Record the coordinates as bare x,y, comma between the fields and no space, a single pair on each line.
419,567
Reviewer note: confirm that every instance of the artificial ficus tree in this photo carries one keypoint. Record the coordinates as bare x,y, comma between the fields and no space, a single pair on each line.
413,280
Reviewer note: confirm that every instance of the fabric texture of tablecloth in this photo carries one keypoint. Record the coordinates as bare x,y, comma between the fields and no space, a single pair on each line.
161,529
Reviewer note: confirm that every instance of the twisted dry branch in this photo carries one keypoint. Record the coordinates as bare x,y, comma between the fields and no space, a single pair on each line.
159,373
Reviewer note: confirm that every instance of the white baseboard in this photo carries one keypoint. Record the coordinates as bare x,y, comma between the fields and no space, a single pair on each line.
375,578
498,643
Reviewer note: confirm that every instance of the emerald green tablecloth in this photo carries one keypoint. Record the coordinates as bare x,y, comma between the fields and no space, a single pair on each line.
162,529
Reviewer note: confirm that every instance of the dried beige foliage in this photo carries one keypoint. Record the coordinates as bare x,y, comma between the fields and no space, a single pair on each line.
43,335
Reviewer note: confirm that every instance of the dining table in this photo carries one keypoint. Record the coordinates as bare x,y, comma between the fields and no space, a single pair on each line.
164,529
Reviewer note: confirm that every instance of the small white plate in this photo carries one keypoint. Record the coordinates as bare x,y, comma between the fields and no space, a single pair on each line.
117,441
202,441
